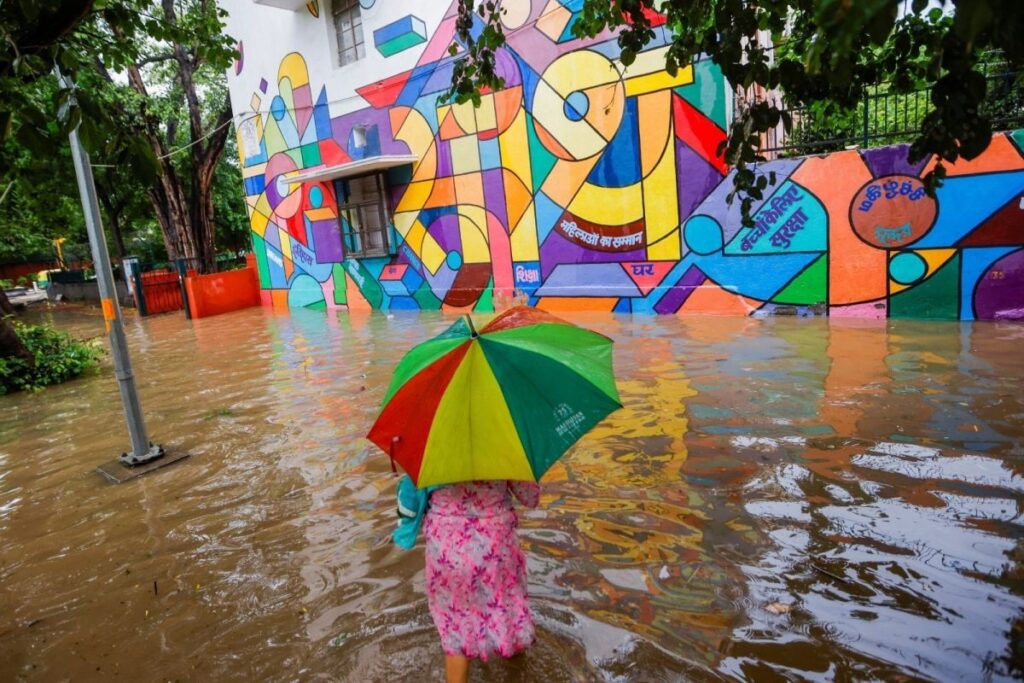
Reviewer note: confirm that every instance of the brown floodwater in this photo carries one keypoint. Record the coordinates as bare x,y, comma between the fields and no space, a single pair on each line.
785,499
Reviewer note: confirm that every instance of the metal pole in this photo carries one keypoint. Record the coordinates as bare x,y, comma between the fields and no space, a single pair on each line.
142,450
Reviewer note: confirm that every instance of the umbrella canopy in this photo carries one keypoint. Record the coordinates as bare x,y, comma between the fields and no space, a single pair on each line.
504,403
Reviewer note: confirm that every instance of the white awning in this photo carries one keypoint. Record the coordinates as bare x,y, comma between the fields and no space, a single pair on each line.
351,168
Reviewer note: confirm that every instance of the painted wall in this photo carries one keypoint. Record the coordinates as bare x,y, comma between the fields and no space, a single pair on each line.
588,184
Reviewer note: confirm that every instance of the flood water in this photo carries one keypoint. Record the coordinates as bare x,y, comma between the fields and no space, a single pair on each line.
786,499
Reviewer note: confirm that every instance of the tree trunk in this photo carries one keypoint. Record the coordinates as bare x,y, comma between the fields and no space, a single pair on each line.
11,345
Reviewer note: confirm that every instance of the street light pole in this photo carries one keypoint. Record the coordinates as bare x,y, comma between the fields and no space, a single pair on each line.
142,450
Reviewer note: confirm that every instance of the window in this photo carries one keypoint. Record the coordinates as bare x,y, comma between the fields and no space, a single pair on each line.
348,26
365,228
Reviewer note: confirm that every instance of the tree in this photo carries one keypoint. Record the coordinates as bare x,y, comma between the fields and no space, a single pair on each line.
818,52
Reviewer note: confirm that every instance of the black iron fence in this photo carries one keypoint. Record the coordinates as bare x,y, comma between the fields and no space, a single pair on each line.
884,117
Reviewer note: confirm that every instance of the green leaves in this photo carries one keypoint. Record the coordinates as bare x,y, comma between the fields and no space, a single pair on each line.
58,358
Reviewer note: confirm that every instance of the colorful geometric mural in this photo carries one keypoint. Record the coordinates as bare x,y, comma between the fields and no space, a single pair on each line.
586,183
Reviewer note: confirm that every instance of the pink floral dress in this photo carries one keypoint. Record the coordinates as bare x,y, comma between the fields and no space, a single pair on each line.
476,571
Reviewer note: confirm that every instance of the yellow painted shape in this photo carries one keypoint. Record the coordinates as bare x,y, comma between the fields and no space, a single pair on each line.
258,223
515,149
286,243
660,80
465,155
415,132
523,240
662,214
321,214
469,189
655,110
263,205
486,118
415,196
293,67
465,116
610,205
255,102
473,436
473,233
565,178
579,138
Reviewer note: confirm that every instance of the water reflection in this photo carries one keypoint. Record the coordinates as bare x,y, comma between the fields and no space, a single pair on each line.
802,499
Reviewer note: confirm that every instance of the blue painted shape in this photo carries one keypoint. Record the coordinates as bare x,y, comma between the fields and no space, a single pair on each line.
305,260
547,213
316,197
974,263
440,80
427,106
576,106
702,234
624,305
907,267
255,184
453,260
278,108
759,276
619,165
530,80
490,155
275,264
812,236
322,116
588,280
370,149
527,276
412,279
404,303
394,287
966,201
400,35
414,87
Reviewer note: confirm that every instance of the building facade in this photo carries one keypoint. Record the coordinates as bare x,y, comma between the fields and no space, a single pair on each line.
583,183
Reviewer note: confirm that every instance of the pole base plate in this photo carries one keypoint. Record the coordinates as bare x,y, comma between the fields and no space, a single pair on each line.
117,472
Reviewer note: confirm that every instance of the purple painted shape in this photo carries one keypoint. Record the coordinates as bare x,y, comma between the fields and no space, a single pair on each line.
494,195
677,295
505,65
591,279
556,250
444,159
341,128
695,178
264,85
440,79
729,216
892,160
327,242
1002,297
445,229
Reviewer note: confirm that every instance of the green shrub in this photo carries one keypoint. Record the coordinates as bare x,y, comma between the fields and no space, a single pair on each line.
59,357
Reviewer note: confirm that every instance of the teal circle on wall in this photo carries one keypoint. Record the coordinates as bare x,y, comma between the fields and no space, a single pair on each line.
702,234
907,268
316,197
454,260
366,4
576,106
305,292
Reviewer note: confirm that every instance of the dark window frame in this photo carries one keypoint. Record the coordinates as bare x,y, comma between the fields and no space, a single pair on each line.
357,240
351,46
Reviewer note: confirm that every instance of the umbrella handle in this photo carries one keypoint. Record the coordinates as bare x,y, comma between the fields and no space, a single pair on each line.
472,328
391,454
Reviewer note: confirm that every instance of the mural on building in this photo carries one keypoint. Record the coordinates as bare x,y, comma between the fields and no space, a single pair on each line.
585,183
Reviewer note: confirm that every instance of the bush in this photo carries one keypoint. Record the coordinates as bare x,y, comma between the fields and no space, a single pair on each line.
59,357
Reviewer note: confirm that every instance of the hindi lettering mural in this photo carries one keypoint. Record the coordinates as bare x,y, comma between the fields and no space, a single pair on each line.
586,183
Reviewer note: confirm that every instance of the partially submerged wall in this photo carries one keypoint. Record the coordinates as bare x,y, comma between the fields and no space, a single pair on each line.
588,184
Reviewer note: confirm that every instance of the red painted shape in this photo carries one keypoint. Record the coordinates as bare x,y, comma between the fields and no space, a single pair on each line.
224,292
383,93
699,132
410,412
1003,228
654,17
331,154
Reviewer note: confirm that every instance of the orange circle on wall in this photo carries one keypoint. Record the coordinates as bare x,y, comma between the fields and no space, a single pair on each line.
892,211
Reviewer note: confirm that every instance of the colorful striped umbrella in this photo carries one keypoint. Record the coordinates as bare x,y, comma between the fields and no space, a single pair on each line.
504,403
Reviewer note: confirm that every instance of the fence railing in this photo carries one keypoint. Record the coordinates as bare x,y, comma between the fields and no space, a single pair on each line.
883,117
